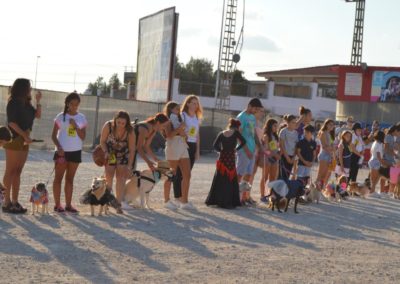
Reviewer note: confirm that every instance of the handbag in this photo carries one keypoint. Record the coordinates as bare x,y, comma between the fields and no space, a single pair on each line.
98,156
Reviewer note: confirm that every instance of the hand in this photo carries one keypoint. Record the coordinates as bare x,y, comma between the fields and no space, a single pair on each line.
151,165
106,155
60,152
73,123
38,96
27,140
342,170
309,164
289,160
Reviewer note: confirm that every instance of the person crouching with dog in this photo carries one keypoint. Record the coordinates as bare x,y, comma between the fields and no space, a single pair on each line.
20,117
69,131
118,143
224,190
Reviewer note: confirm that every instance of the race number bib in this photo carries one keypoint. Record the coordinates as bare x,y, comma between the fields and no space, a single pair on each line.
272,145
71,131
112,159
192,132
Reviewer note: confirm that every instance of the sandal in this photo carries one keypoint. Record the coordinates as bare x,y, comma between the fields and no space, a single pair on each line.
59,209
17,209
71,209
6,208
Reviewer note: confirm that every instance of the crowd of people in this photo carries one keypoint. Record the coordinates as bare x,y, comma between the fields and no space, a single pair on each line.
281,150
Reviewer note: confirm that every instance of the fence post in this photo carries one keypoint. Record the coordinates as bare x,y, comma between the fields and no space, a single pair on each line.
96,118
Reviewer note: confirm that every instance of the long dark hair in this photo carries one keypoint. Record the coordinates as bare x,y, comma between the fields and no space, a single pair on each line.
21,90
72,96
168,109
124,115
268,129
159,117
325,126
233,124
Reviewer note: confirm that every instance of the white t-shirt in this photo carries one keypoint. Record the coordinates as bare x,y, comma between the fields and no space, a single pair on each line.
357,142
375,149
175,121
67,136
192,127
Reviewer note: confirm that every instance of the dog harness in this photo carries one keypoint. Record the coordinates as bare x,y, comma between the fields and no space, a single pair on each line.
154,180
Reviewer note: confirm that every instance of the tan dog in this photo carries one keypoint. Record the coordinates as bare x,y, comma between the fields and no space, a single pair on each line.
39,197
360,189
142,183
99,194
396,191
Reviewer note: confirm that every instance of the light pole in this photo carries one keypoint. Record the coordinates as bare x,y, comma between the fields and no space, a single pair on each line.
37,61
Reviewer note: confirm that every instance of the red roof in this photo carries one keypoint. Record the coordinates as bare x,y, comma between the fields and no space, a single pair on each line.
326,71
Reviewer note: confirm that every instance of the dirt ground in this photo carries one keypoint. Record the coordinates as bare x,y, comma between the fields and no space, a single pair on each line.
356,241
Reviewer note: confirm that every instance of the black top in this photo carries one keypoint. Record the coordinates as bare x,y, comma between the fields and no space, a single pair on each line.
223,143
307,149
21,114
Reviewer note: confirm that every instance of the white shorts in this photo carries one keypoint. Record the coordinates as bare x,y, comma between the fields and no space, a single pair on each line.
338,171
176,149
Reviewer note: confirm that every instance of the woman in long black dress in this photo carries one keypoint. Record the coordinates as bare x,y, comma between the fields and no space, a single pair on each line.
224,190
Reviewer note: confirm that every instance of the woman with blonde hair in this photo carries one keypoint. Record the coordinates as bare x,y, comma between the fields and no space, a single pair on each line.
192,114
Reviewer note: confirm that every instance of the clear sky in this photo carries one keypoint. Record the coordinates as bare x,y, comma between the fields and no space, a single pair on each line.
79,40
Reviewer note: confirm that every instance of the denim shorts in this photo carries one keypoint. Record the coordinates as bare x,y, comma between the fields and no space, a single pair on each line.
374,164
303,171
325,156
244,165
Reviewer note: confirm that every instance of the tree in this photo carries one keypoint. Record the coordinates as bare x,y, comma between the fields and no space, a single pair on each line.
99,84
114,82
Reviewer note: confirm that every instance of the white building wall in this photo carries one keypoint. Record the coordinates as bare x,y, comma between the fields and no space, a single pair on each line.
321,107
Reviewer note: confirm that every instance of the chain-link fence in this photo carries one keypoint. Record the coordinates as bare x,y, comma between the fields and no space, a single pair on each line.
53,103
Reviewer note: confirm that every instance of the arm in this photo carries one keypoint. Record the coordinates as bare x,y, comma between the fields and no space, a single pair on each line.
20,132
242,141
38,111
132,148
148,149
81,132
354,150
217,143
103,138
60,150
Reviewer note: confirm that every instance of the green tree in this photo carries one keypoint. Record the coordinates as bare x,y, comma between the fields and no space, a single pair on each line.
99,84
114,82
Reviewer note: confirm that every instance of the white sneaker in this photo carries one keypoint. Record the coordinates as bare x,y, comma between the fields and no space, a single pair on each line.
187,206
375,194
125,205
170,205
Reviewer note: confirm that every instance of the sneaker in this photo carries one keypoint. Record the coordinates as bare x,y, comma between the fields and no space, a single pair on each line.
125,205
264,200
170,205
71,209
17,209
59,209
187,206
375,194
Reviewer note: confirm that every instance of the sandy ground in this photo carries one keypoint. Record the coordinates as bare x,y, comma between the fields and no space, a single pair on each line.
356,241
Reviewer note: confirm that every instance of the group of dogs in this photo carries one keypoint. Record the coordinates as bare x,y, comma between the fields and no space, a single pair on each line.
141,183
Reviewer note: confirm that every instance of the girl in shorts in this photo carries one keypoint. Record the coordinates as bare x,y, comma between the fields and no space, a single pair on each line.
176,152
326,153
376,160
69,131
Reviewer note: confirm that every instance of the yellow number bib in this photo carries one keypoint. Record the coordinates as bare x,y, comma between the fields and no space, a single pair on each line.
272,145
192,131
112,159
71,131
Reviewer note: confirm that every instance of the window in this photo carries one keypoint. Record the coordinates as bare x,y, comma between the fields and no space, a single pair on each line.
291,90
327,91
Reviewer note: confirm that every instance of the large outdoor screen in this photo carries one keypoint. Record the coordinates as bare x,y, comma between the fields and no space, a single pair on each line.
385,86
156,55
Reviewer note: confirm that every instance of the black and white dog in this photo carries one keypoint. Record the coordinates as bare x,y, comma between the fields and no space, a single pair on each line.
286,189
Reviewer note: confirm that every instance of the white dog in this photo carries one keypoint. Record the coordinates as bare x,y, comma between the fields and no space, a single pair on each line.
142,183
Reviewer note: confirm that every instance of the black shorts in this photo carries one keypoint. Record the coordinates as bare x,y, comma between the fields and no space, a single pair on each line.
73,157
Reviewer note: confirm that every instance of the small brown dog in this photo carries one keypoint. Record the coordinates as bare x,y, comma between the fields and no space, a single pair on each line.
360,189
39,197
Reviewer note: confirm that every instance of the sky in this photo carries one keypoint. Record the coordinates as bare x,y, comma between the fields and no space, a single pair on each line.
79,40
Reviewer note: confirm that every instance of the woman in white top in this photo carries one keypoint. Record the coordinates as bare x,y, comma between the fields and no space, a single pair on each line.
69,131
192,113
357,151
376,160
